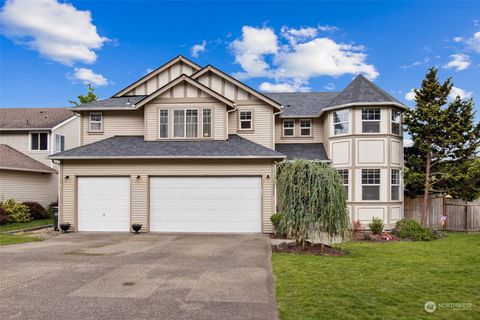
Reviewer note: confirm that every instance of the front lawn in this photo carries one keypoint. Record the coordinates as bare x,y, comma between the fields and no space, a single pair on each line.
13,238
25,225
382,280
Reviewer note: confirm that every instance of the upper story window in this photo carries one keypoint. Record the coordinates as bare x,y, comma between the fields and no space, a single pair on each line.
207,123
370,184
96,121
340,121
163,121
396,122
246,120
306,128
345,178
39,141
185,123
395,184
371,120
288,128
59,142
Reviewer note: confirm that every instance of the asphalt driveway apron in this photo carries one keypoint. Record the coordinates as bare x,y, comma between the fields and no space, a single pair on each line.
146,276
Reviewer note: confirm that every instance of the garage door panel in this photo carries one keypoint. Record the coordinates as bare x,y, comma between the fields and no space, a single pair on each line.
205,204
103,204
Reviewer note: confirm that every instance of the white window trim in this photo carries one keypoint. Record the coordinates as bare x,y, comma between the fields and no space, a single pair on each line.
211,123
283,128
30,141
372,184
348,181
90,122
399,123
341,122
240,120
379,120
310,128
168,123
395,185
64,141
199,122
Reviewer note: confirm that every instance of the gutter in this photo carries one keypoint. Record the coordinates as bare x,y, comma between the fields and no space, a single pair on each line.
163,157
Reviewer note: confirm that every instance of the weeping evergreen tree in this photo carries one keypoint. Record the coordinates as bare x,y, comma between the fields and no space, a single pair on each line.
313,199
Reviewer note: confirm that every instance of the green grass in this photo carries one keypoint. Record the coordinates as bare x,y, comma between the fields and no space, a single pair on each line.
13,238
382,280
29,224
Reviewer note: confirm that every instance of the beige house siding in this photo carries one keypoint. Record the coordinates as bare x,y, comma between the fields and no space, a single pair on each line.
262,132
71,131
20,140
161,79
146,168
224,87
28,186
316,129
115,123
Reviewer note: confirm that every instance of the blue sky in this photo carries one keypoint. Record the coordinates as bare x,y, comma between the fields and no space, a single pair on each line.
50,48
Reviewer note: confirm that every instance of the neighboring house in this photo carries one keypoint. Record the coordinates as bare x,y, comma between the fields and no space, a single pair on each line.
191,149
27,137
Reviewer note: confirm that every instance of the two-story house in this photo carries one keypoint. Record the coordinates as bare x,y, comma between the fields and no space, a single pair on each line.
27,137
191,149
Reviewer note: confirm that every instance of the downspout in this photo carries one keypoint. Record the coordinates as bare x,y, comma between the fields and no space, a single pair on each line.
228,111
275,163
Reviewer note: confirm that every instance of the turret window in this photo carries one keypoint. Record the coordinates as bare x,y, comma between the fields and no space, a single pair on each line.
396,122
370,184
371,120
340,122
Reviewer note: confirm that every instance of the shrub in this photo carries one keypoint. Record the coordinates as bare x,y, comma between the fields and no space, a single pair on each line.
277,221
16,211
4,218
408,228
37,211
357,225
376,226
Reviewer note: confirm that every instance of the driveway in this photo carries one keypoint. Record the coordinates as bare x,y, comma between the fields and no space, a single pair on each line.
145,276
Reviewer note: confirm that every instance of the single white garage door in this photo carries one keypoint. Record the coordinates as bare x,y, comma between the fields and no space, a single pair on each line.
205,204
103,203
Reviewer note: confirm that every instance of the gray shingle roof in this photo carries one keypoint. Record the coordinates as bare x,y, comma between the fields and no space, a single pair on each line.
306,151
126,102
32,118
137,147
12,159
361,90
302,104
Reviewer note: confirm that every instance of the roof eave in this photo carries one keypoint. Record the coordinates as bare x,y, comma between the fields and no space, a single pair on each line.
25,129
28,170
53,157
360,104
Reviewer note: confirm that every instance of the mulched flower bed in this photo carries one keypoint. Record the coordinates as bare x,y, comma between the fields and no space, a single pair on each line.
307,249
369,237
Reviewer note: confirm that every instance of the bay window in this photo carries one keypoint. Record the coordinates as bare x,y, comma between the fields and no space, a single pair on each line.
396,122
345,179
340,121
371,120
370,184
395,184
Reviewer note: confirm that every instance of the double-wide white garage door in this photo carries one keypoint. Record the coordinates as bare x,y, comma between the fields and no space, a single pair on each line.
177,204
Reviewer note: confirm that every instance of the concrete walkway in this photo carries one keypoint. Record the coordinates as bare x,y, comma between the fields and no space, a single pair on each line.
146,276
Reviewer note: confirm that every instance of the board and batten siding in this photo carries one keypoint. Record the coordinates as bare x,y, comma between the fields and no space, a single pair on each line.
115,123
161,79
146,168
316,129
28,186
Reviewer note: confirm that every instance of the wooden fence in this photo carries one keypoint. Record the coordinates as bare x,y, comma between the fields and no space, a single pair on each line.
461,215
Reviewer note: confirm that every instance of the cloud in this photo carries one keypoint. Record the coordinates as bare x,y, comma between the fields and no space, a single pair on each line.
328,28
474,42
293,86
88,76
410,96
295,56
458,39
459,61
58,31
463,94
198,48
407,142
329,86
251,49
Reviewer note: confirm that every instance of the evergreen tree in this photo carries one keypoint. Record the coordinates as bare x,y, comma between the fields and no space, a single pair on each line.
445,139
89,97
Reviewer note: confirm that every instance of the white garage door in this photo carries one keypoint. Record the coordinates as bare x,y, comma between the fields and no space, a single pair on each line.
201,204
103,204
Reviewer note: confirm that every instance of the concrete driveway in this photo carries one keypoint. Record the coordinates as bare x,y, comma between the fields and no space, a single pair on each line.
146,276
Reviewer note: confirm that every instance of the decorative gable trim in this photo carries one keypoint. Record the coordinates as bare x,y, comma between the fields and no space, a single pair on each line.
157,71
184,78
235,82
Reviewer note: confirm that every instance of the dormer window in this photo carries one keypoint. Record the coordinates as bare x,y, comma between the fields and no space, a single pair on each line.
396,122
96,122
340,122
371,120
288,128
306,128
246,120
